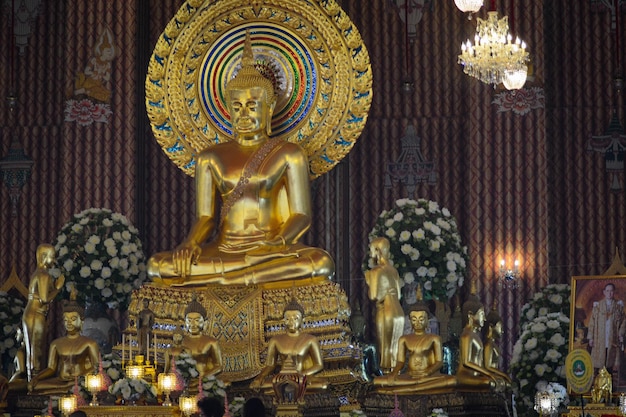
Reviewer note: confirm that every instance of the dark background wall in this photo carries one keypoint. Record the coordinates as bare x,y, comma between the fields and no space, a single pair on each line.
520,186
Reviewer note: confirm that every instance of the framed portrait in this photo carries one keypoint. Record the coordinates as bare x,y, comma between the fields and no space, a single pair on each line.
598,323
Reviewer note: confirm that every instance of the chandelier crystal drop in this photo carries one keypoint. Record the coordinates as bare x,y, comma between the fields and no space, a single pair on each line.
469,6
493,51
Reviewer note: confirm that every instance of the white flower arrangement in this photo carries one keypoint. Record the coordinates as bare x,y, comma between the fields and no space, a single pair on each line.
539,357
100,253
553,298
11,311
236,406
425,246
186,366
558,390
133,389
213,387
438,412
357,412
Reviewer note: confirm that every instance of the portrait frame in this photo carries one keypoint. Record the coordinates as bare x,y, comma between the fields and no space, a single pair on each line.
587,291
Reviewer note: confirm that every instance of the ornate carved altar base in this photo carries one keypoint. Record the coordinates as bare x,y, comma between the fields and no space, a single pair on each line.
243,319
132,411
594,410
455,403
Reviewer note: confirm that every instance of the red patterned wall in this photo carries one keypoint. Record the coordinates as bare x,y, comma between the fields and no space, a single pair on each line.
522,186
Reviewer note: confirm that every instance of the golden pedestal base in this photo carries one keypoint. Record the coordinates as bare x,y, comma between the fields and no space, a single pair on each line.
132,411
593,410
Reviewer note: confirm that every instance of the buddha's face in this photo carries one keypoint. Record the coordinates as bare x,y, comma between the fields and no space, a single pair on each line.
419,320
194,322
177,338
293,320
249,112
479,318
72,322
497,330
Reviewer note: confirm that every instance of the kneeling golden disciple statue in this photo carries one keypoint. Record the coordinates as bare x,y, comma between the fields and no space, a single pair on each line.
293,357
472,372
69,356
265,201
422,354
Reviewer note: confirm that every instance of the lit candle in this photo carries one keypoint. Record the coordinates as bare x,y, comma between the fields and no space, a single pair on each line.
147,347
123,342
154,340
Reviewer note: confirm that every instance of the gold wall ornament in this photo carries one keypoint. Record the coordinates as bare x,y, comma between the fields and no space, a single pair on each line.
320,65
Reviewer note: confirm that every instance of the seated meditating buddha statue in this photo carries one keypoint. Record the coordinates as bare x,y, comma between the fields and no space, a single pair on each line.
422,354
263,185
69,356
493,334
472,372
204,349
293,359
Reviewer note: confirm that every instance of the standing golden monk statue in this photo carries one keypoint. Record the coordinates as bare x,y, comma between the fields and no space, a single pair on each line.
384,288
293,357
145,321
265,201
70,356
42,290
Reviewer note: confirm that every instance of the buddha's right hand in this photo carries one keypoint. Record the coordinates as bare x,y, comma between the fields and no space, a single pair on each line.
184,256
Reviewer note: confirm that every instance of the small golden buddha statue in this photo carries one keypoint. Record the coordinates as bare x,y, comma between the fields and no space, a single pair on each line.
384,288
493,334
69,356
42,290
602,389
422,354
264,189
176,349
19,379
292,357
472,372
204,349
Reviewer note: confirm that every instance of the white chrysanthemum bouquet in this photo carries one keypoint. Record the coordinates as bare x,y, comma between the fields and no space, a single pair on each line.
425,246
100,254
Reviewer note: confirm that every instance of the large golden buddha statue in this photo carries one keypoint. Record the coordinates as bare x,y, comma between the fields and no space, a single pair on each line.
69,356
263,185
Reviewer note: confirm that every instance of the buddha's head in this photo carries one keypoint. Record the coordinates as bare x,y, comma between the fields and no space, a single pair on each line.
293,315
493,322
177,337
419,312
379,248
474,312
45,255
250,98
195,314
73,315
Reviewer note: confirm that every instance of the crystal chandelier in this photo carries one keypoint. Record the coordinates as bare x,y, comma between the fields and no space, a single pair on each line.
469,6
494,53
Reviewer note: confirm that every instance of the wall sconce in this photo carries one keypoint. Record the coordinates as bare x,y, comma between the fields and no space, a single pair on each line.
68,404
508,277
545,403
166,384
188,404
94,384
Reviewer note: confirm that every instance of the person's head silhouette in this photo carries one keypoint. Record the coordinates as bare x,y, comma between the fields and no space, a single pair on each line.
254,407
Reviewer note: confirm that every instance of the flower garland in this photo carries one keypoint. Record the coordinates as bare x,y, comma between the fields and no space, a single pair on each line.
425,246
100,254
539,357
186,366
11,311
134,389
213,387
